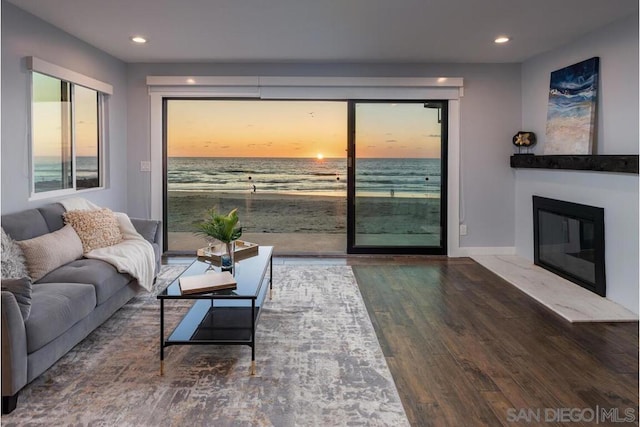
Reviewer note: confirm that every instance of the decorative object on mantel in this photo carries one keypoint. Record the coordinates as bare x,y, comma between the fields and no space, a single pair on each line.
601,163
524,140
222,228
571,114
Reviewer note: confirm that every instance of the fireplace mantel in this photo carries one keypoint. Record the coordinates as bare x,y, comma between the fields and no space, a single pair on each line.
598,163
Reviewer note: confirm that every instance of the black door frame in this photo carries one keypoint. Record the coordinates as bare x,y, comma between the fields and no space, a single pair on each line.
351,185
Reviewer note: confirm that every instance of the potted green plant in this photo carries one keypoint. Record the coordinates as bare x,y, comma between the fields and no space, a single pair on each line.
224,229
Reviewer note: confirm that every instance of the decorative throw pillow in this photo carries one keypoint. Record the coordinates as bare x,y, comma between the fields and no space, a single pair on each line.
21,289
96,228
13,262
49,251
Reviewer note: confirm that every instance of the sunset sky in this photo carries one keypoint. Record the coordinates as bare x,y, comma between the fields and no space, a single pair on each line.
241,128
49,113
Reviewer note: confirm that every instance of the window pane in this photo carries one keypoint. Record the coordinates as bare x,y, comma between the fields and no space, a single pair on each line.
87,137
282,164
398,174
52,151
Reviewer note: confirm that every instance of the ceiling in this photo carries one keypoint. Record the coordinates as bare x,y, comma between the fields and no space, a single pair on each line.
328,30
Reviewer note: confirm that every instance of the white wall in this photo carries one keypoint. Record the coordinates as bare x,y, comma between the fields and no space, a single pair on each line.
490,115
617,47
25,35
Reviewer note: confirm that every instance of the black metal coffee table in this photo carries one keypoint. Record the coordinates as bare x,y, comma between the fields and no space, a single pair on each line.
227,317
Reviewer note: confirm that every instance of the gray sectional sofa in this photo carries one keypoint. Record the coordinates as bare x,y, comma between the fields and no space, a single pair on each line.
67,304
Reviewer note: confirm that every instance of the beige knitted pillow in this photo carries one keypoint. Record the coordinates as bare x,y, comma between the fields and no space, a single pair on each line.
50,251
96,228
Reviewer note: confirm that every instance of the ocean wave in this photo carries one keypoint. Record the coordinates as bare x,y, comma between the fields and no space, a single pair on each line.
303,175
576,85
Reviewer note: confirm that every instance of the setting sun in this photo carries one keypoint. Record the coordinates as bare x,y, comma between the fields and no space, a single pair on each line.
320,156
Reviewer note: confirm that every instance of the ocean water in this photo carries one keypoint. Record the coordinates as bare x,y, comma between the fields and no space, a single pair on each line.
49,168
402,177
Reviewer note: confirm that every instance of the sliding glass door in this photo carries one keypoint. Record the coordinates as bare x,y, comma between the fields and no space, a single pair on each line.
397,177
281,164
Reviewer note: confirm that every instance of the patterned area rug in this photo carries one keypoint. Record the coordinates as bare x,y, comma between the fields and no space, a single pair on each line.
318,364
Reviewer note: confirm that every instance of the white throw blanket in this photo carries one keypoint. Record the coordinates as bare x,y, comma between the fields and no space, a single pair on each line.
134,255
78,203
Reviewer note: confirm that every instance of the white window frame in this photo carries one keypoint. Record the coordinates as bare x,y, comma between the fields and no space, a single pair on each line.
40,66
309,88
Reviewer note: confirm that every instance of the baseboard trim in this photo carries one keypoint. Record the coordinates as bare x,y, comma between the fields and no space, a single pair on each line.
469,251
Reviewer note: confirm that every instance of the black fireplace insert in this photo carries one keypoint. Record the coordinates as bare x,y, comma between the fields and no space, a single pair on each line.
568,240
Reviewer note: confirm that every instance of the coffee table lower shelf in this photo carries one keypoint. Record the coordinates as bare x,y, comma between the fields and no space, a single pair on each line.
207,324
219,325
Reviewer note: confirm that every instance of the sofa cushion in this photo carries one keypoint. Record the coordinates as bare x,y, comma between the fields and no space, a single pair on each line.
21,290
52,214
55,307
96,228
25,224
103,276
49,251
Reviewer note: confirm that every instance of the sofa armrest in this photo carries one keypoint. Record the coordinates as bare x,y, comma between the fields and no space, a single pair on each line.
150,229
14,346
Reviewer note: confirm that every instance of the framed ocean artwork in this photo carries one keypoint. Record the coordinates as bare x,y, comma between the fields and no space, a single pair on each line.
571,113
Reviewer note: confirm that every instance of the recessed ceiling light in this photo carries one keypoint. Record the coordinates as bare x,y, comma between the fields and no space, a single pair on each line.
138,39
502,39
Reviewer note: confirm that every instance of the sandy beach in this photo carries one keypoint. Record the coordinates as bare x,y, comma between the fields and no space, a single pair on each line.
296,214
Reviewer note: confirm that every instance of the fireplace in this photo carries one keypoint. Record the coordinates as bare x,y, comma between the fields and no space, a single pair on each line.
568,240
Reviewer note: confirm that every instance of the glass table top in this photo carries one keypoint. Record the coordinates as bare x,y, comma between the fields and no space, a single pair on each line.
249,273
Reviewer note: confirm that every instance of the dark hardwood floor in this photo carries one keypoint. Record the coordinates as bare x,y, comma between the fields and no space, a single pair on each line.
466,348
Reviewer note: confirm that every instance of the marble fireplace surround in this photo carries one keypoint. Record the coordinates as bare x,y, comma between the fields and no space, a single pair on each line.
563,297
